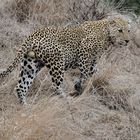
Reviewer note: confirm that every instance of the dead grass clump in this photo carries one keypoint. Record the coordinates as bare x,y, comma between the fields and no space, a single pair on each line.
123,126
114,99
113,95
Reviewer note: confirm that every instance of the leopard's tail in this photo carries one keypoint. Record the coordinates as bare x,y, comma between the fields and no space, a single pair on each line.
24,50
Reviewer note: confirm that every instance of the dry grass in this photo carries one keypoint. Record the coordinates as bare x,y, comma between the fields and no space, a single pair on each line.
109,105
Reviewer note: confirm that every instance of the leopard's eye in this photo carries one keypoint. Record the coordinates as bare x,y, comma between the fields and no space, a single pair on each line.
120,30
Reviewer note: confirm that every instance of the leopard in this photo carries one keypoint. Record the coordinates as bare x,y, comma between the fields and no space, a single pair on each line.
62,48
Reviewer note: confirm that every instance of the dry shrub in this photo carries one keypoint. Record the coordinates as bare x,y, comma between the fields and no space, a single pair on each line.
56,13
80,10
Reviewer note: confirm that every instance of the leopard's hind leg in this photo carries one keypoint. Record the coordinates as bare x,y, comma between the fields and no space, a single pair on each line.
29,69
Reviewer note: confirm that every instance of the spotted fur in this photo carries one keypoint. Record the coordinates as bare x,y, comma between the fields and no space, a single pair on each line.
62,48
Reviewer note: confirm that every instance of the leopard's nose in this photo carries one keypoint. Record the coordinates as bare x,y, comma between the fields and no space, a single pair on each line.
126,41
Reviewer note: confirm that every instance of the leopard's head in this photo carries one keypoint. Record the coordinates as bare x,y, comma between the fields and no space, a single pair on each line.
119,31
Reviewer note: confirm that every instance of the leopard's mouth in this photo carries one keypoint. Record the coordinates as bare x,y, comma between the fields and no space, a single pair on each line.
121,44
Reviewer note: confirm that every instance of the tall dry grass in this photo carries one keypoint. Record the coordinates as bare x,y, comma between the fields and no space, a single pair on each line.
109,105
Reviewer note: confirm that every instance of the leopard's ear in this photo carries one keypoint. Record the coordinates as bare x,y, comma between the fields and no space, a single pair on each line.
112,21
